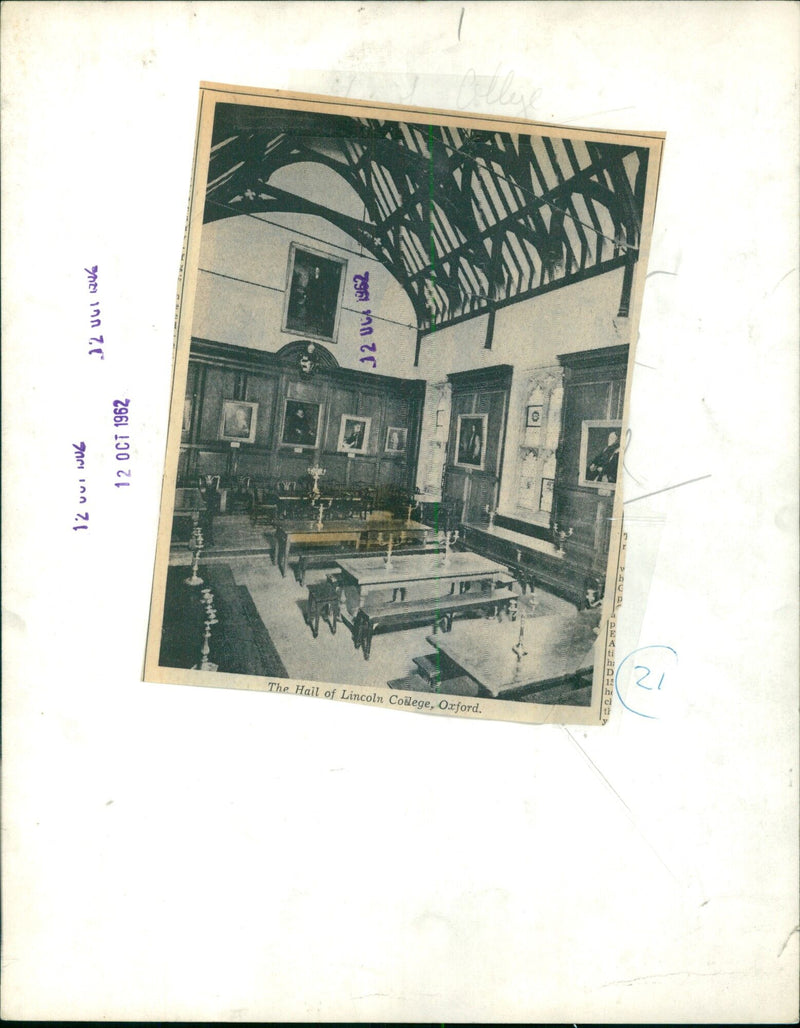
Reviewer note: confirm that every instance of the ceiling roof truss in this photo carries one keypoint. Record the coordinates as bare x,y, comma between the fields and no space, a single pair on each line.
466,221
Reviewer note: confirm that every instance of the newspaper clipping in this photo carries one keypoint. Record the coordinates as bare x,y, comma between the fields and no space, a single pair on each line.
404,343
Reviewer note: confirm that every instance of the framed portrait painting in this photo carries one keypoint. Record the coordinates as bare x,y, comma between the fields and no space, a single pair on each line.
599,459
238,421
533,415
353,434
301,421
188,411
396,440
471,441
314,287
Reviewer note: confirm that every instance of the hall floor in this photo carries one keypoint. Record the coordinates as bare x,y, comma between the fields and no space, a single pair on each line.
280,602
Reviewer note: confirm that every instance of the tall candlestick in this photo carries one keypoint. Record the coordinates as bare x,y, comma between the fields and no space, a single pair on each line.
211,619
197,545
519,649
389,553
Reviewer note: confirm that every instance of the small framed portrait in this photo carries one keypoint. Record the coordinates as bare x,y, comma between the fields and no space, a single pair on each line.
301,421
238,422
599,460
314,287
353,434
533,415
188,410
396,439
471,441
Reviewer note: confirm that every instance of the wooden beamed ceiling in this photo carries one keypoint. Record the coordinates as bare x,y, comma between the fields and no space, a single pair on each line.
467,221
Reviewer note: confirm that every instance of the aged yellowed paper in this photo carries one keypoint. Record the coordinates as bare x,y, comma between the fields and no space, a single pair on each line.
214,854
404,345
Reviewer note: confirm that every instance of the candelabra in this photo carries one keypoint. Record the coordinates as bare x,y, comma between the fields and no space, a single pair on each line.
316,473
196,545
559,537
519,647
411,508
448,542
210,619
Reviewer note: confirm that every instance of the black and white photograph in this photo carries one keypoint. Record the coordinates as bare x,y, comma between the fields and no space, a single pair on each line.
400,535
238,423
353,434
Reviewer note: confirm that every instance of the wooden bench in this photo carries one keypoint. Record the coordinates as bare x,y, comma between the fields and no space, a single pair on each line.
433,610
328,558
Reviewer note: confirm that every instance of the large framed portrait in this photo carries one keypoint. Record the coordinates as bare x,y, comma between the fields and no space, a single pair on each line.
238,421
471,441
301,423
314,287
396,439
353,434
599,460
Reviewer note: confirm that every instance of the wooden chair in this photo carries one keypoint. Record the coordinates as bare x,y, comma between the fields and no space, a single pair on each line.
264,506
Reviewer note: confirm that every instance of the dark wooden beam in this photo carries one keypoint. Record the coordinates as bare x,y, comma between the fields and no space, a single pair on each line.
489,330
625,295
610,265
418,347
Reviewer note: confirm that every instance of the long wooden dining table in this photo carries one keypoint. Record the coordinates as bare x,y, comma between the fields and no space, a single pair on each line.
558,646
355,530
443,574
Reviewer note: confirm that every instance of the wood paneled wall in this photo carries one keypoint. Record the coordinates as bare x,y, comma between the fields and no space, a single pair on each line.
469,491
594,390
219,372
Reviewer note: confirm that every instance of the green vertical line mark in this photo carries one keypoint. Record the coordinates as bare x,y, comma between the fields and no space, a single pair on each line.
433,329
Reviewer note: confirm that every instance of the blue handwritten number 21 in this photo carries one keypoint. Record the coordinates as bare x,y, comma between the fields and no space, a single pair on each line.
640,681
